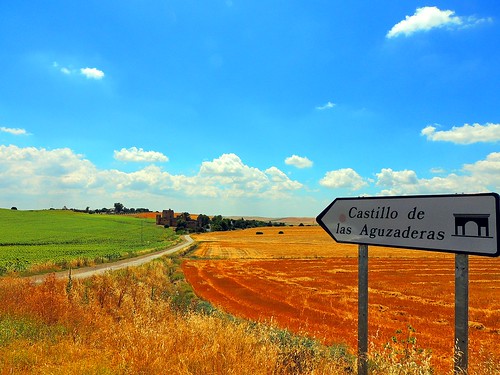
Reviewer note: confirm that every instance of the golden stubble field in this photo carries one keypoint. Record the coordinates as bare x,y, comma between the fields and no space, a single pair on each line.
306,282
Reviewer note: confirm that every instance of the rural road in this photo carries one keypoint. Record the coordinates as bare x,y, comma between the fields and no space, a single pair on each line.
84,272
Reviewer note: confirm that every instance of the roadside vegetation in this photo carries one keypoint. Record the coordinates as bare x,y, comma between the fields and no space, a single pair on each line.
144,320
148,320
51,240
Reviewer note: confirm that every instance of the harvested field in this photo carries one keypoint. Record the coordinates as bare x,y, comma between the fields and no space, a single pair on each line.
306,282
295,242
146,215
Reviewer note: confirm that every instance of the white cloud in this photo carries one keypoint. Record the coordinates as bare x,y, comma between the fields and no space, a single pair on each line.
89,73
437,170
427,18
226,165
280,180
58,177
40,171
92,73
388,177
486,171
65,70
481,176
231,177
134,154
61,177
450,184
343,178
464,135
328,105
298,161
13,131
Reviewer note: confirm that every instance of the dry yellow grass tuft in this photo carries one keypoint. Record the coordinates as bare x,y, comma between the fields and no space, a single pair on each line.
137,321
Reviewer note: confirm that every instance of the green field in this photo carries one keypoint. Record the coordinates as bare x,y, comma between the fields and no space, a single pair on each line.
61,239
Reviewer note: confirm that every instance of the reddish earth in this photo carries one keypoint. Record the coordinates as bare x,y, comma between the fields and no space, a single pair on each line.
318,296
147,215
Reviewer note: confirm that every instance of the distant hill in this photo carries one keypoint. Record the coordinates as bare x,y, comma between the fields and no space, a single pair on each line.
286,220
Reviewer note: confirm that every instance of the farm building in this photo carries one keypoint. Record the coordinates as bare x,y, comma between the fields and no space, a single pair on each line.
169,218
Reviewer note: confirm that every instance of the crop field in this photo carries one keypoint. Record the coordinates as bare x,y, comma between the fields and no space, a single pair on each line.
48,240
304,281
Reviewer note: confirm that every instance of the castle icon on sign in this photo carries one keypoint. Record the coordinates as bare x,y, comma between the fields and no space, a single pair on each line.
472,225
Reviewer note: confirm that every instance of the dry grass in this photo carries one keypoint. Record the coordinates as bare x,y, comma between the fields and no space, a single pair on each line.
139,321
307,282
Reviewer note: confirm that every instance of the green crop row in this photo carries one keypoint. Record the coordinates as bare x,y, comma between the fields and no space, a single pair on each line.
30,238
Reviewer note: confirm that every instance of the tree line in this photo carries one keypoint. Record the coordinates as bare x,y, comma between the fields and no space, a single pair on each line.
205,223
219,223
118,208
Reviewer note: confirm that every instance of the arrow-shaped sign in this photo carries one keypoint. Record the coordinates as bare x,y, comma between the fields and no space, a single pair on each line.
460,223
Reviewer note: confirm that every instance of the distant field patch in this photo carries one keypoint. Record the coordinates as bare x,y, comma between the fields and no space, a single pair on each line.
293,242
55,239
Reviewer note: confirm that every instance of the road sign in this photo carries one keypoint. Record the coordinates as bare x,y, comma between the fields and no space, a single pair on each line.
460,223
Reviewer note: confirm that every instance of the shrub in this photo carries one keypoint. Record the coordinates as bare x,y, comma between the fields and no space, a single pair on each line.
402,356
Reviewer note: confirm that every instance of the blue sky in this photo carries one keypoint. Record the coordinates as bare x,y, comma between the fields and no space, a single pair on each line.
232,107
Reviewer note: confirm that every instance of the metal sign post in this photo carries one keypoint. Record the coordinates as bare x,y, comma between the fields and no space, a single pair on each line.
461,357
363,310
458,223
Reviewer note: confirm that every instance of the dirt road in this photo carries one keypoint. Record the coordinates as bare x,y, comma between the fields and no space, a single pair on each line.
81,273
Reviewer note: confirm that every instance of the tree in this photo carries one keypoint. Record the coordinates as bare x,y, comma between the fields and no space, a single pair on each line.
216,223
118,207
181,225
203,220
240,223
225,224
184,216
